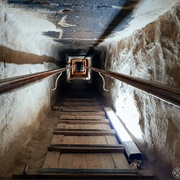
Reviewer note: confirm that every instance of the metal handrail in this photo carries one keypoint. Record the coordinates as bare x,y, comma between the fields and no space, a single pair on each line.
161,91
10,84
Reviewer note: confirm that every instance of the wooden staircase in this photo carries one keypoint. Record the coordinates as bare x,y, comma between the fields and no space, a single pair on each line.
84,145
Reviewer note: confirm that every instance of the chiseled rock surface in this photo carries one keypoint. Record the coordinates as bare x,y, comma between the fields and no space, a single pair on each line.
21,111
150,53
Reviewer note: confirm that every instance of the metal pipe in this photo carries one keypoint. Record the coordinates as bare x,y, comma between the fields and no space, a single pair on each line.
164,92
10,84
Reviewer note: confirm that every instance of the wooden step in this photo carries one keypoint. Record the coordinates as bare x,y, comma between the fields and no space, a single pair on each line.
65,139
55,159
79,95
80,108
79,132
81,103
106,172
83,121
78,117
81,99
83,145
83,126
83,113
79,148
67,173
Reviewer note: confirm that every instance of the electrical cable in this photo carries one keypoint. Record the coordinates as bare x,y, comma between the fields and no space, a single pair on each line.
56,82
103,83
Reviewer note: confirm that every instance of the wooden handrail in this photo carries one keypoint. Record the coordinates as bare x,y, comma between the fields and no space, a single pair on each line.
164,92
10,84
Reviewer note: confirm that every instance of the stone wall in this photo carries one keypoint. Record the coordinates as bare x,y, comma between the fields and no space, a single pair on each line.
22,110
23,50
150,53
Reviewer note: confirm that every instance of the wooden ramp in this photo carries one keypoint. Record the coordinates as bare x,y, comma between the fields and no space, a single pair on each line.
84,145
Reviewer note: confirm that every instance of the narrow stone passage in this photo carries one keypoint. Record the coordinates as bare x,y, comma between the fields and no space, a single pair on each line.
83,143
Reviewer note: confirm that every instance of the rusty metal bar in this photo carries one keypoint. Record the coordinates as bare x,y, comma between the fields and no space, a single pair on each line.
164,92
10,84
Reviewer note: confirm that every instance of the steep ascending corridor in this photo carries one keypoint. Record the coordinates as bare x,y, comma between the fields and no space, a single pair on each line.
84,143
128,50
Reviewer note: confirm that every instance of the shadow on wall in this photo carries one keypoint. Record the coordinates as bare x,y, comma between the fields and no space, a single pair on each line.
8,55
120,18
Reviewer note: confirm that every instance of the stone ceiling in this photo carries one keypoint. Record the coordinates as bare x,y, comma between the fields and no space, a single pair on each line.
44,27
83,22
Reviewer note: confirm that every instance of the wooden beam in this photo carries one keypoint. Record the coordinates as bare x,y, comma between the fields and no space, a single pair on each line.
81,104
78,117
81,99
108,171
83,121
82,113
84,132
83,176
80,108
85,148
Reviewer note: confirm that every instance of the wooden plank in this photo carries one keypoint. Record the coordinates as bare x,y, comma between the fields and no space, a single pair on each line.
106,160
84,132
61,126
79,160
66,160
80,140
89,126
81,92
86,149
80,109
76,139
88,139
93,161
57,139
105,126
66,117
81,99
51,160
91,171
101,140
81,103
68,140
87,145
83,121
98,140
83,113
70,126
112,140
92,126
67,173
80,95
79,126
120,161
90,117
73,117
